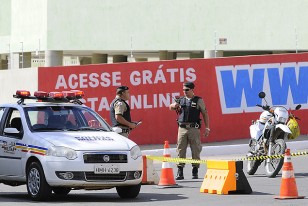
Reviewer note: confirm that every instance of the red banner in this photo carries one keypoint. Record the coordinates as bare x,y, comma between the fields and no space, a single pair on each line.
228,86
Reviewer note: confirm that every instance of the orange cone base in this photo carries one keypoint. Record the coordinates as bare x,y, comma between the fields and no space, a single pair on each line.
167,179
289,197
168,186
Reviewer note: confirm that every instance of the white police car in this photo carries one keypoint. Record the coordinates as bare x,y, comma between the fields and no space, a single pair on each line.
57,144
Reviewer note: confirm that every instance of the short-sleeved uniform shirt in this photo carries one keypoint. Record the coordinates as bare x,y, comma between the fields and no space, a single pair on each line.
119,107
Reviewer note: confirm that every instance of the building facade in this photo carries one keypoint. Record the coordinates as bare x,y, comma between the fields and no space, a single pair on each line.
72,32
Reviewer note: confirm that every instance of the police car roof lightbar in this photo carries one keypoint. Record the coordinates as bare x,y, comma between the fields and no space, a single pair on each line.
22,94
65,96
56,95
69,95
41,95
79,94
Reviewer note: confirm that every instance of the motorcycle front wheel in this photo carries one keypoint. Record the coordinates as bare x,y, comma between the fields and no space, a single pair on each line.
274,165
252,165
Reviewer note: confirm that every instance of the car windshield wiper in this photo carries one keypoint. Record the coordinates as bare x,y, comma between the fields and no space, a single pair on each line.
91,129
51,128
71,129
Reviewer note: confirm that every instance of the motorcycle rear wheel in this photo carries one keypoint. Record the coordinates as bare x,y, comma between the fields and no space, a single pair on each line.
273,167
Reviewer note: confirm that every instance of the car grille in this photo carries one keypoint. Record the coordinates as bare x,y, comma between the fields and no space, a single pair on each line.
91,176
105,158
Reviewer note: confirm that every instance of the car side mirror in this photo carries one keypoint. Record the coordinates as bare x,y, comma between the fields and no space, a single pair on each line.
117,129
11,130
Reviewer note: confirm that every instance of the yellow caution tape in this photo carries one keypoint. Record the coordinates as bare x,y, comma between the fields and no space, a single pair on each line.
177,160
273,156
183,160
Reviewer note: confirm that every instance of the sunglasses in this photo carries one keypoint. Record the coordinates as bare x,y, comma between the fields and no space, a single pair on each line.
186,90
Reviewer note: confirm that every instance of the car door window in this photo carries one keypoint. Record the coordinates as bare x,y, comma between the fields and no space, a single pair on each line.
14,121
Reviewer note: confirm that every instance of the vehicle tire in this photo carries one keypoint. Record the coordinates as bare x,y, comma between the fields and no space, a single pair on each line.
273,167
37,187
252,165
61,191
129,191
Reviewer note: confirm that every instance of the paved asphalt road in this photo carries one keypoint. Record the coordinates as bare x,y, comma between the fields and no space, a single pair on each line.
264,189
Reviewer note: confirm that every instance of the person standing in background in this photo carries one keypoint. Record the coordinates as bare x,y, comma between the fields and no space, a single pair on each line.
120,111
188,109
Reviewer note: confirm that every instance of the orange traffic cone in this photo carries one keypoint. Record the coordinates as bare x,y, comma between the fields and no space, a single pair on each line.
166,175
288,188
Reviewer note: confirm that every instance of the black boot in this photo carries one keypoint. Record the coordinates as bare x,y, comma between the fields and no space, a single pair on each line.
195,173
180,175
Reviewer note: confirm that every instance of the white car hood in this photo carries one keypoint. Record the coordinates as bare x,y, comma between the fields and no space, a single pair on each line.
87,140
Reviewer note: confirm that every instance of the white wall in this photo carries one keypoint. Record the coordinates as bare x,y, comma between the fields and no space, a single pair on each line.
15,79
5,25
107,25
176,24
29,25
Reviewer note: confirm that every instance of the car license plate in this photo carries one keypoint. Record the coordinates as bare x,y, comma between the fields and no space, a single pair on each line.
106,169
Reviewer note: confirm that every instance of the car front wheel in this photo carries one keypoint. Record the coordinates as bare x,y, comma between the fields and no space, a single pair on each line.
61,191
37,187
129,191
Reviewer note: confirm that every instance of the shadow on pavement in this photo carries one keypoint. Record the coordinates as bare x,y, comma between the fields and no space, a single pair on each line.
92,197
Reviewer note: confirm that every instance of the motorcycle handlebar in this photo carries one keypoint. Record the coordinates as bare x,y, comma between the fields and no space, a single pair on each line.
295,117
266,107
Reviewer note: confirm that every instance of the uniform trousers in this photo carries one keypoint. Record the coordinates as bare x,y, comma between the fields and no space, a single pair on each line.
189,136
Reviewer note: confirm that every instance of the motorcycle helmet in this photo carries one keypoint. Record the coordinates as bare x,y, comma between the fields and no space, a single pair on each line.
265,116
293,126
281,115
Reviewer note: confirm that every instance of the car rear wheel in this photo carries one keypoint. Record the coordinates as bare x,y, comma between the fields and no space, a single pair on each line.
37,187
129,191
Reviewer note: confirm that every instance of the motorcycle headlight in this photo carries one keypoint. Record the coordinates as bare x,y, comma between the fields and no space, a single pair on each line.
135,152
62,152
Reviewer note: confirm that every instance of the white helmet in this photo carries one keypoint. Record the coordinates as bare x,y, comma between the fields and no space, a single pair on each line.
265,116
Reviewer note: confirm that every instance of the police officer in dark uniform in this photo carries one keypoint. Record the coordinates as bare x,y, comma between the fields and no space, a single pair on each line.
189,109
120,111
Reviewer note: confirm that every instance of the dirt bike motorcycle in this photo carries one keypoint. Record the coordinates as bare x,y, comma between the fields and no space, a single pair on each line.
268,136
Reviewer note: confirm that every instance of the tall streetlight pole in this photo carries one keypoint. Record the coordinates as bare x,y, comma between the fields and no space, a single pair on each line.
215,43
131,49
22,54
9,57
296,40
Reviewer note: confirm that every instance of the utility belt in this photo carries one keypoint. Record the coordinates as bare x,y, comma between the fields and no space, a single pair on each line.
189,125
125,130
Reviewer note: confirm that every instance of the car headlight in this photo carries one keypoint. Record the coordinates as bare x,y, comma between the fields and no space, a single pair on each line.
62,152
135,152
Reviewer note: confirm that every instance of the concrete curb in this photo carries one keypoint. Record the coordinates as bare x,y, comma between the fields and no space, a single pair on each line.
226,149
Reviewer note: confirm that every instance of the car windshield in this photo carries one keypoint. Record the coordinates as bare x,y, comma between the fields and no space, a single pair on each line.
64,118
